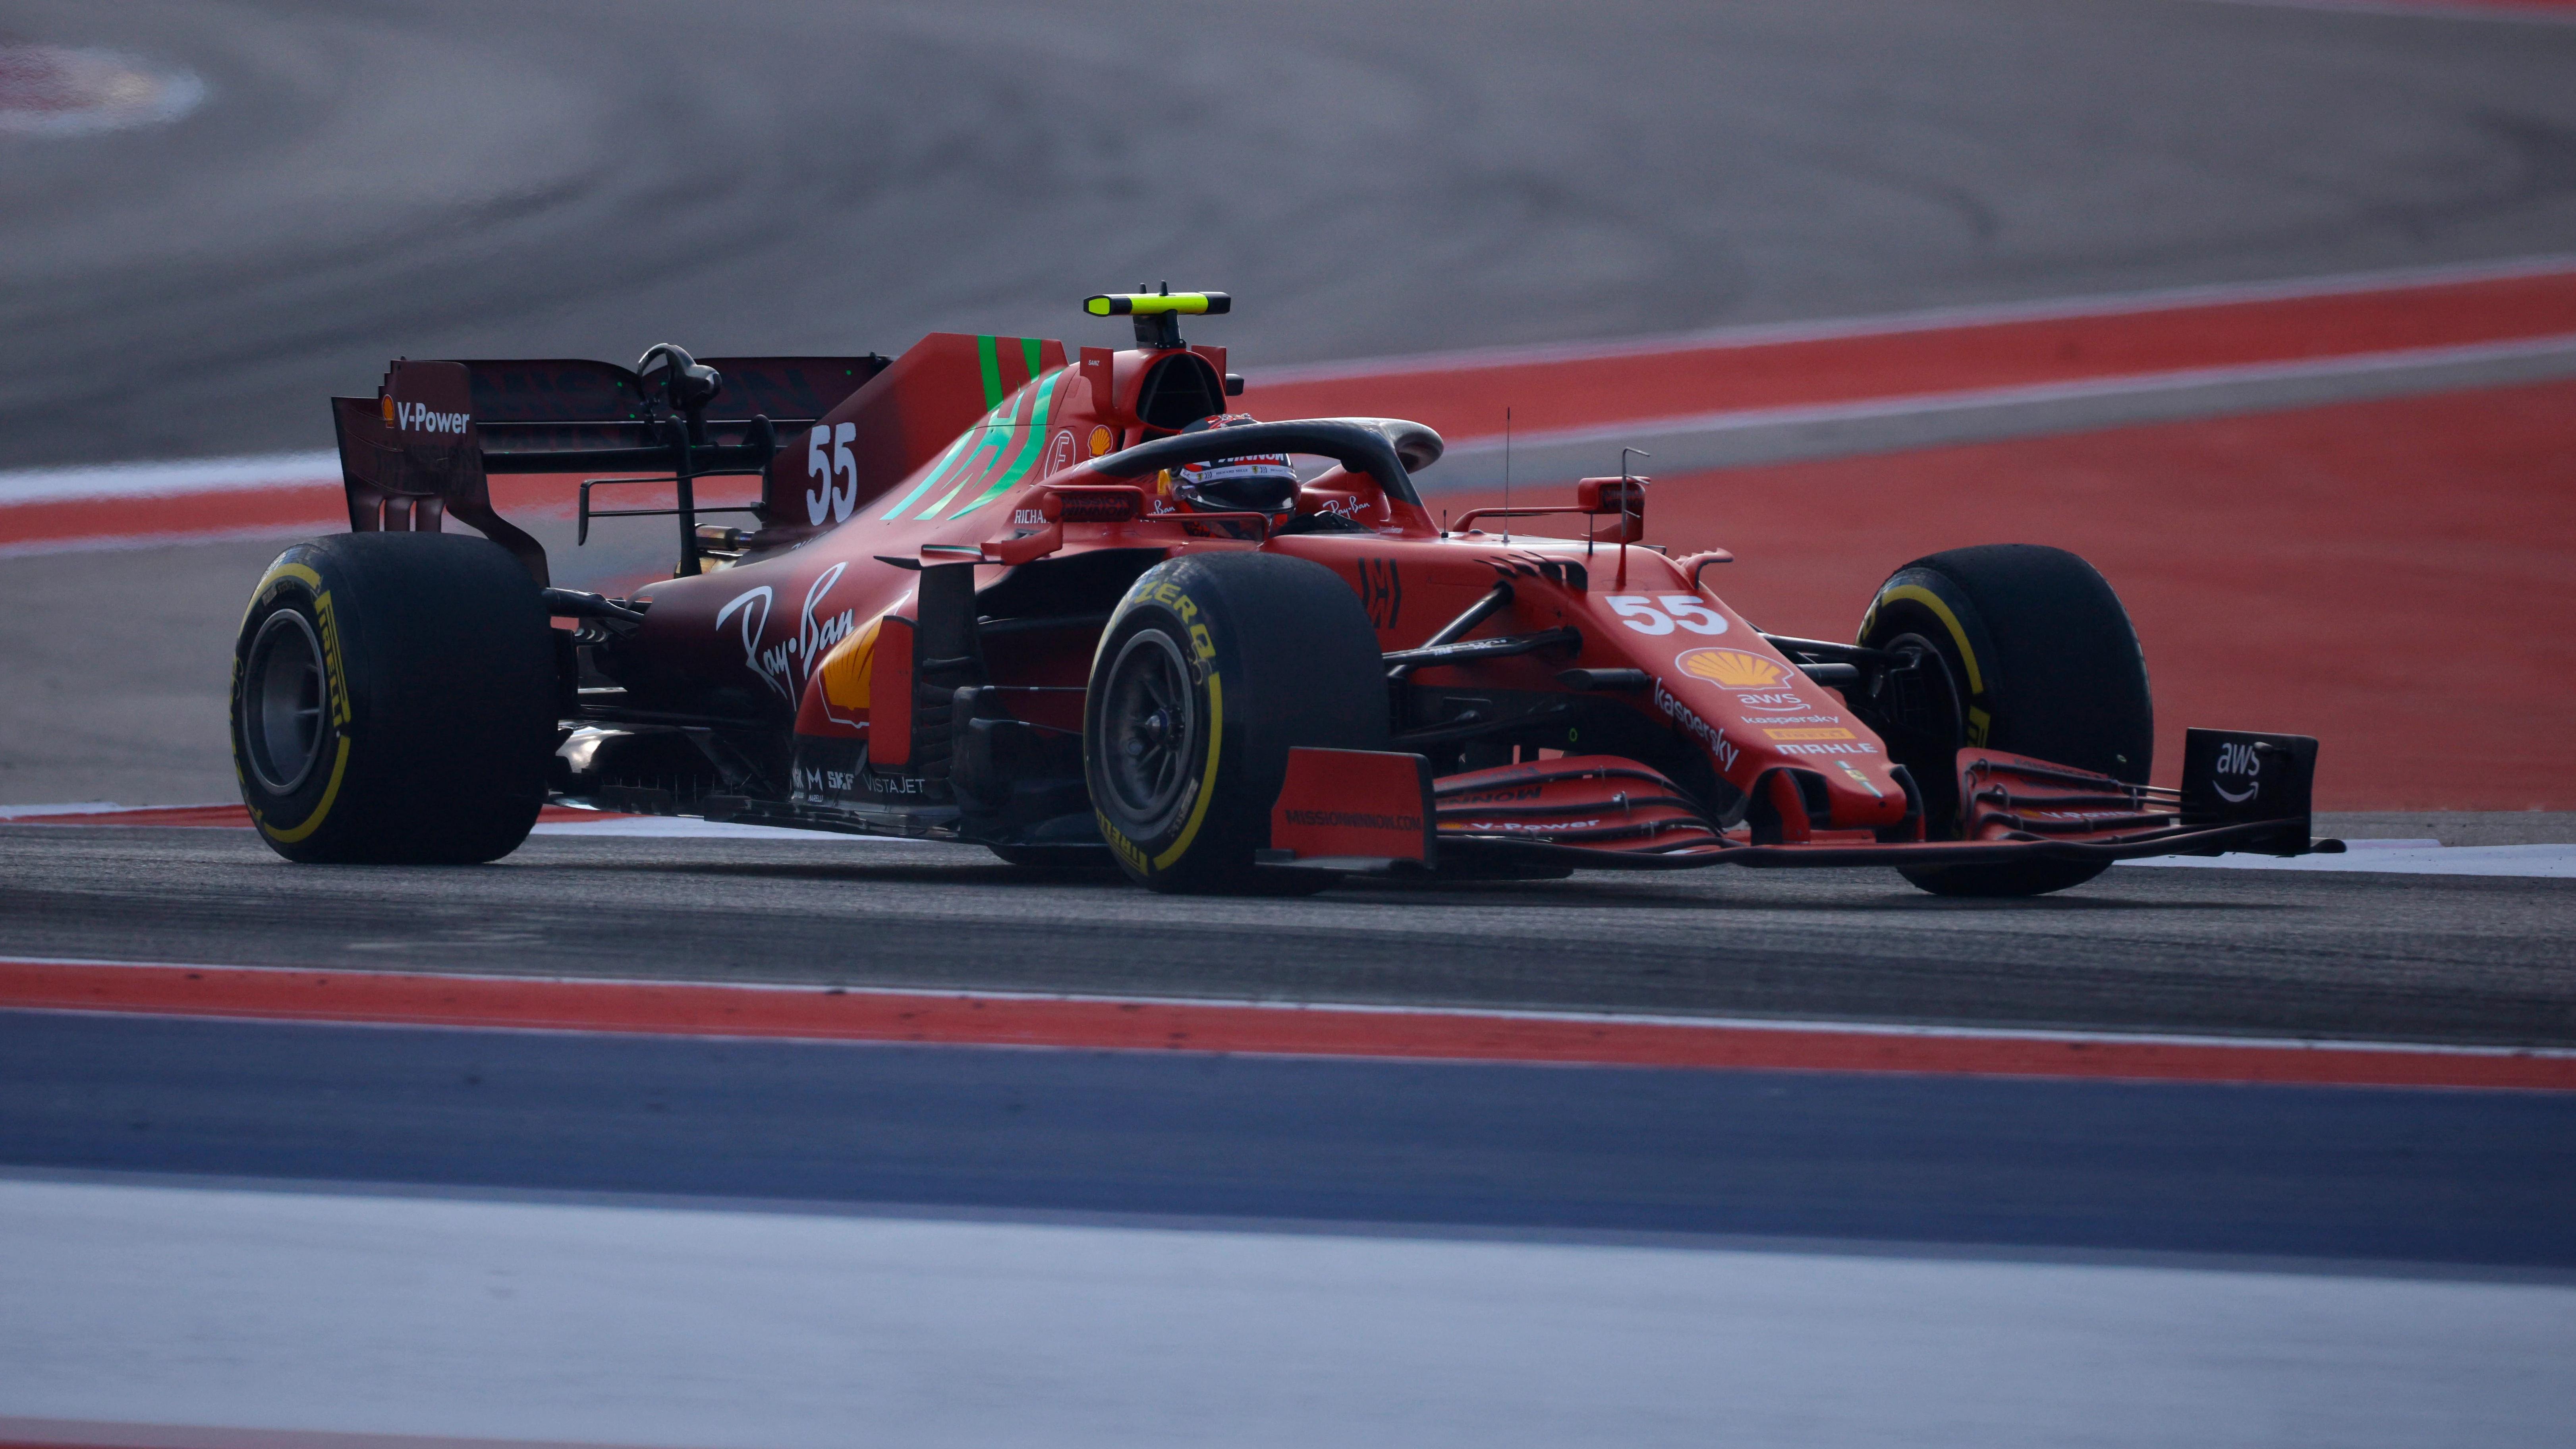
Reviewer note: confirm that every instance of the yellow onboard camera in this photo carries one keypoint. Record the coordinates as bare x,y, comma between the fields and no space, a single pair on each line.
1146,304
1158,314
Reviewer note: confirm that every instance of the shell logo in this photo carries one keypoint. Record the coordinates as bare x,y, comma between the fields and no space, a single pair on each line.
1732,667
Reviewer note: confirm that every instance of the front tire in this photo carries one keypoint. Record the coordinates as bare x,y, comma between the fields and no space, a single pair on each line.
1211,669
2040,659
394,700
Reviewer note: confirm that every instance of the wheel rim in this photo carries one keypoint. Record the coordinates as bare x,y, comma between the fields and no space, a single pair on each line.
1149,727
282,702
1923,728
1933,709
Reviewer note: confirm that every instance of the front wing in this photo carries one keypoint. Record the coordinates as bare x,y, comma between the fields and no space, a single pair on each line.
1349,810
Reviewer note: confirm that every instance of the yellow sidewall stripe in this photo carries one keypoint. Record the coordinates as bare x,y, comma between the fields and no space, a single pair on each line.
1917,594
311,580
1207,781
322,811
339,762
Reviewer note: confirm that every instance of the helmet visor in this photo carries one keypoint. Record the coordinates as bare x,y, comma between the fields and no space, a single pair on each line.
1264,483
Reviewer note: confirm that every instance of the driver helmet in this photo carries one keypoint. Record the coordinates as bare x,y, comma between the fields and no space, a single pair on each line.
1252,483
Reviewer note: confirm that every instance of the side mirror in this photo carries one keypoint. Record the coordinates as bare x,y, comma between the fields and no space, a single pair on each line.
1621,500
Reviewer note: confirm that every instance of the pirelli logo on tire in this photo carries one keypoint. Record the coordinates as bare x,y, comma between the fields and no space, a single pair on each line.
1171,596
1125,849
334,670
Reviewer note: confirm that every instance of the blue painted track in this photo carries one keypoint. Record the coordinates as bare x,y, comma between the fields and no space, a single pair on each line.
2437,1177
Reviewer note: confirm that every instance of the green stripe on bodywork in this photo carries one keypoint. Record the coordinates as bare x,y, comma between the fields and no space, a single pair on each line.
1000,436
1032,444
1030,349
937,471
967,452
988,451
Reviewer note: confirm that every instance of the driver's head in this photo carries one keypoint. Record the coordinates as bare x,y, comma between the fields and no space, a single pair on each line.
1253,483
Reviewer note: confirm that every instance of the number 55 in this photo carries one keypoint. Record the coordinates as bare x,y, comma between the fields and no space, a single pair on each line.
823,500
1639,613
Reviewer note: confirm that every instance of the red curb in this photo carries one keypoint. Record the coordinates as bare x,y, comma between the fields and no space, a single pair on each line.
177,518
1465,400
2129,338
168,815
2373,573
826,1014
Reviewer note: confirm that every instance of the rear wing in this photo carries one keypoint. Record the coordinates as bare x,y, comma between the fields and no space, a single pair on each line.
424,446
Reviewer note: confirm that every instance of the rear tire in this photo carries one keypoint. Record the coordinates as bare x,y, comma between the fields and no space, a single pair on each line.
394,700
2041,661
1211,669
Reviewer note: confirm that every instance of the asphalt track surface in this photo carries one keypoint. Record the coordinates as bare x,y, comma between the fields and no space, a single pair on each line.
2459,959
484,179
490,179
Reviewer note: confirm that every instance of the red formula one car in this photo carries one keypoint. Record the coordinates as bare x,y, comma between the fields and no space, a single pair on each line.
1068,606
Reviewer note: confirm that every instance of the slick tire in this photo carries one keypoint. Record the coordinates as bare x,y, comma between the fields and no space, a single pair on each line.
1211,669
2041,661
394,700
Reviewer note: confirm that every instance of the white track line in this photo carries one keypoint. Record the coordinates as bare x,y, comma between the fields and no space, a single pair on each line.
86,807
2522,14
694,1328
159,480
1929,319
2554,862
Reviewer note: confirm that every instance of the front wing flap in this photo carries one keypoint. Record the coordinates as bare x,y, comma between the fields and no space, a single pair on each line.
2240,792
